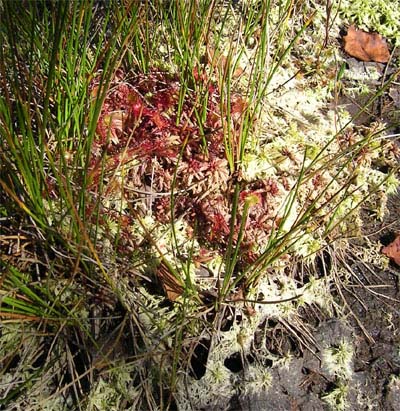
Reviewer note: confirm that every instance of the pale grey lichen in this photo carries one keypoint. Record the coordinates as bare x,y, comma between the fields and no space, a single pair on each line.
337,398
338,360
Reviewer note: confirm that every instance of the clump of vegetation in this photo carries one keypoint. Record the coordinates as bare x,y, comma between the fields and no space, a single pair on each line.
380,16
157,158
174,175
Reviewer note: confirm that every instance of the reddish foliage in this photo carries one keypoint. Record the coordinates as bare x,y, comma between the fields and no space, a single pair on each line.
219,229
142,116
138,121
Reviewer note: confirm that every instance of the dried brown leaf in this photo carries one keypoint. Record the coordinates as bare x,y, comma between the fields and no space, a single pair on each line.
172,287
393,250
366,46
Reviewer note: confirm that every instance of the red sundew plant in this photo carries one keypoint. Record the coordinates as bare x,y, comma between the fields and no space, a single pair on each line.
139,130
